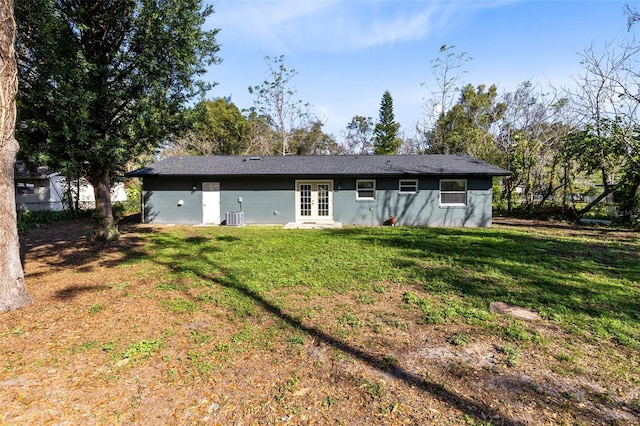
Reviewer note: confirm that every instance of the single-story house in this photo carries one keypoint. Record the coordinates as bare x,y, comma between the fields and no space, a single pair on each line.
414,190
46,189
42,189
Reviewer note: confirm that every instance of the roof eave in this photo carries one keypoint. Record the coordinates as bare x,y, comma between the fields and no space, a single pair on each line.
325,175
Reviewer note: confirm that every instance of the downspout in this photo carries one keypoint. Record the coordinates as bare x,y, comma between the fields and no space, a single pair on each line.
142,210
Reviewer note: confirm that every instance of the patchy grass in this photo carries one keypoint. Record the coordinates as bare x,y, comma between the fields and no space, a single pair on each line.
586,285
260,325
142,349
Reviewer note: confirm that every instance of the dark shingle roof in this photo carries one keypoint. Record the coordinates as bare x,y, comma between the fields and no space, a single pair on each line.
334,165
42,172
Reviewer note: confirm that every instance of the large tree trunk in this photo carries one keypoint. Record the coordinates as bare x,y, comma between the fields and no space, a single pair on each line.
106,229
13,291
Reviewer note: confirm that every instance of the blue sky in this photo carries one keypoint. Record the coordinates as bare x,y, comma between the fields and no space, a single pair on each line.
347,53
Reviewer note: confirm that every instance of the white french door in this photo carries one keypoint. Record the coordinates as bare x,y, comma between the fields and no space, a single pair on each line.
314,201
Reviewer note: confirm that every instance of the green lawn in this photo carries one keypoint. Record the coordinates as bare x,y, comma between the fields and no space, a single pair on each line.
357,326
587,284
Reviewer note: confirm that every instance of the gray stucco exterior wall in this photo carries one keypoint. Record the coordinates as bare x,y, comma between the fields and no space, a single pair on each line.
419,209
264,201
272,200
175,201
161,201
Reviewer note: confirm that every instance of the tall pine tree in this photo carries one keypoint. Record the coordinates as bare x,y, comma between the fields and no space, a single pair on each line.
386,132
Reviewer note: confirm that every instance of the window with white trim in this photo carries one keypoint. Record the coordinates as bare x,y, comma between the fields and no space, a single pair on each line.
453,192
366,189
408,186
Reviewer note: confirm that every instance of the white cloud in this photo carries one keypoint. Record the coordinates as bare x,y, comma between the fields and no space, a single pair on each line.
333,25
337,48
264,23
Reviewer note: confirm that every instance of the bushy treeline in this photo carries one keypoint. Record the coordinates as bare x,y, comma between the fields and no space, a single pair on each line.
574,153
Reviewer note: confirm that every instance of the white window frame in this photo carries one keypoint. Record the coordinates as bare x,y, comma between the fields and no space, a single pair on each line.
449,191
25,188
373,190
408,182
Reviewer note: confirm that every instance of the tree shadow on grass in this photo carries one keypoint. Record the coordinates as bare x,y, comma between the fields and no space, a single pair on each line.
66,245
546,272
466,405
569,228
231,279
69,293
543,273
201,257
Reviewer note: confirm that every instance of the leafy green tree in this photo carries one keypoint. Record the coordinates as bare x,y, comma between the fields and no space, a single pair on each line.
607,142
313,141
13,290
530,139
597,148
627,198
359,135
217,128
104,81
259,136
467,127
386,130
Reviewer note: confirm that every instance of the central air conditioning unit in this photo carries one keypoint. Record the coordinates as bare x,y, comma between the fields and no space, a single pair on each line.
235,218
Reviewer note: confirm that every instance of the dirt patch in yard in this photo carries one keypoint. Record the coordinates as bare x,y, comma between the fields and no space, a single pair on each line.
514,311
105,343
